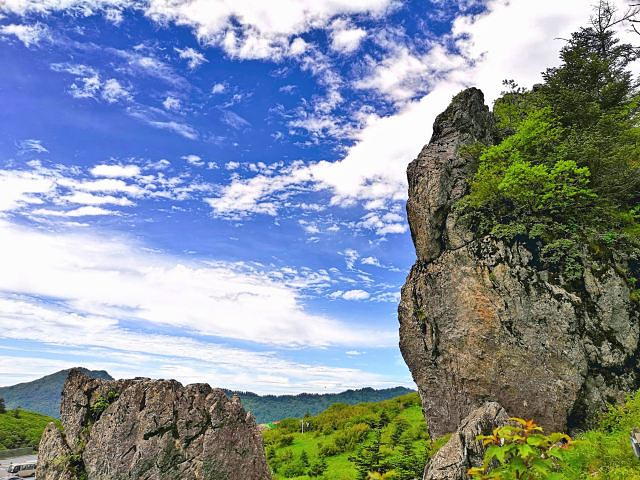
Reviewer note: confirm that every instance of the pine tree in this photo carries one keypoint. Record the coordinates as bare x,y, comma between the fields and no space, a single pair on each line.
318,468
304,459
368,458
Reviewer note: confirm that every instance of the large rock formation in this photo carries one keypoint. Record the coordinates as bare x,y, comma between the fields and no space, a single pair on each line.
463,450
481,320
150,429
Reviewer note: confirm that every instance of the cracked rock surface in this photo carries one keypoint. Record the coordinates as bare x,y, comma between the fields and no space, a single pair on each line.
482,320
150,430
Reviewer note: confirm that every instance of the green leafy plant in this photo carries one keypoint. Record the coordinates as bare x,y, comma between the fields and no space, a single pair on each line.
521,451
102,403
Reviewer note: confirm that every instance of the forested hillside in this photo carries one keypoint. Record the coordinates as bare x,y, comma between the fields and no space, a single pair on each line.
269,408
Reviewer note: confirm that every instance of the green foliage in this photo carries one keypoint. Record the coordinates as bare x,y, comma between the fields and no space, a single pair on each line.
521,452
384,440
3,408
23,430
318,468
605,453
74,465
566,171
102,403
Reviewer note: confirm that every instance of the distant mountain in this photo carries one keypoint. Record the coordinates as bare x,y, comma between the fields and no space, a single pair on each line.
269,408
42,395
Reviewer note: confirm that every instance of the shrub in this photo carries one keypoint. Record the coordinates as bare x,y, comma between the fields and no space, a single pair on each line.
521,452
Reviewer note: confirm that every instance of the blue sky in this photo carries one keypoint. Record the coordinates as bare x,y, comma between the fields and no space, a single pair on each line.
214,191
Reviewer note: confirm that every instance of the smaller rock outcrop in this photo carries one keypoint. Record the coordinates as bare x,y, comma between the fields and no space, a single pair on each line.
150,430
463,451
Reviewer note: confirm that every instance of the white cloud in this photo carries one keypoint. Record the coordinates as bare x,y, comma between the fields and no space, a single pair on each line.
86,87
370,261
193,57
113,91
384,223
194,160
85,198
115,171
171,103
232,165
114,16
344,37
108,185
104,280
87,211
88,83
353,353
403,75
27,34
20,189
309,227
350,295
248,29
49,189
218,88
99,343
161,164
391,297
350,257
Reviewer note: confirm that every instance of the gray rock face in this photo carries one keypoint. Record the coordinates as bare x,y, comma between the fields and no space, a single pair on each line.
54,455
482,321
463,451
150,429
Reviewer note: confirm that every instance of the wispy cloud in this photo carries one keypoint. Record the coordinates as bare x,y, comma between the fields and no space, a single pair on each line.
28,34
157,119
193,57
87,211
31,145
105,280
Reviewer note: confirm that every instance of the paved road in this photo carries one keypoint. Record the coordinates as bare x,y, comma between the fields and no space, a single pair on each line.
8,461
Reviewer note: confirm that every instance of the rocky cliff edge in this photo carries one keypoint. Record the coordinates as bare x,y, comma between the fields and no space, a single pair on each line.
481,320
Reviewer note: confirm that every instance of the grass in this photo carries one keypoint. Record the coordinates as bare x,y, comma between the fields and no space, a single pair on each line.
605,453
22,428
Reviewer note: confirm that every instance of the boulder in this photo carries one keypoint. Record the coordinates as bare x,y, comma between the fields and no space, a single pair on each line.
151,430
463,450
